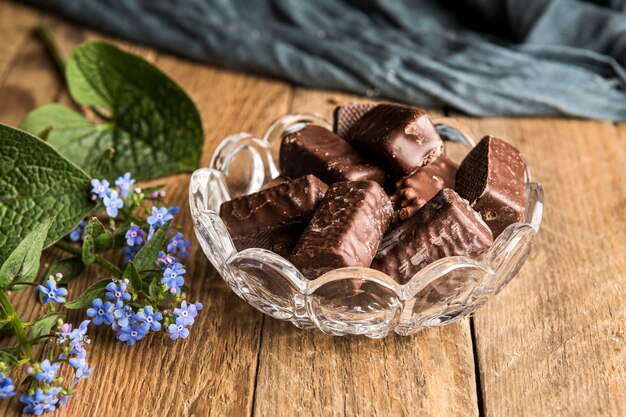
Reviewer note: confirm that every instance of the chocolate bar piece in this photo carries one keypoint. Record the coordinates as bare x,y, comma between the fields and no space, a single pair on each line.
413,191
346,229
402,138
283,243
274,182
346,115
253,220
445,226
318,151
492,179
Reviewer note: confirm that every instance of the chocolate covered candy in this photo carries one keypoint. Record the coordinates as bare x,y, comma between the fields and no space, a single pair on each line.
413,191
346,229
254,220
318,151
445,226
492,179
346,115
402,138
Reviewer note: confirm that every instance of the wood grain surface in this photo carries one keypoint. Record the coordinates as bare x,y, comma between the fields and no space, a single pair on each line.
551,344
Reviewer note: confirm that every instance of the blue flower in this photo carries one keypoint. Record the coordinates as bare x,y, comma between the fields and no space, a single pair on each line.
64,399
177,243
40,402
186,313
80,365
177,330
112,203
7,388
174,210
117,292
129,253
166,259
78,336
48,371
132,333
51,292
134,236
198,305
173,277
158,217
124,317
100,188
100,312
77,233
150,317
125,183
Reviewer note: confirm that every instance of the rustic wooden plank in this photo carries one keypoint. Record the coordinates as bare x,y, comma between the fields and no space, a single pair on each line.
552,343
307,373
18,22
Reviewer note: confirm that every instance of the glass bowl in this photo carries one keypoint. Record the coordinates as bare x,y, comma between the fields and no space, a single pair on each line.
358,301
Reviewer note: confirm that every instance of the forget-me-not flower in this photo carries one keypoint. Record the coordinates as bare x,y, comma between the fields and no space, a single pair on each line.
125,182
100,312
100,188
112,203
117,293
51,292
48,371
151,317
134,236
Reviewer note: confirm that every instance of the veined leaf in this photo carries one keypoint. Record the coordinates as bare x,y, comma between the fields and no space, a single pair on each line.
44,325
97,290
22,264
154,127
148,253
37,183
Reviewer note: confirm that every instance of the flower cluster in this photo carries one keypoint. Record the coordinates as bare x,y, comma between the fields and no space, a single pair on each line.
48,390
113,198
158,301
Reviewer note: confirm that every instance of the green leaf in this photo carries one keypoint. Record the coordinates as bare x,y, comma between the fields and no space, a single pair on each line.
97,290
154,289
70,267
9,355
102,166
154,127
131,273
149,252
37,183
89,250
44,325
103,239
22,264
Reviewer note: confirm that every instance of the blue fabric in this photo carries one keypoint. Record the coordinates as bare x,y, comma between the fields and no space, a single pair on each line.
482,57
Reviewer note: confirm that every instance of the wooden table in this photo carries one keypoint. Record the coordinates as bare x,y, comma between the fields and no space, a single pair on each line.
551,344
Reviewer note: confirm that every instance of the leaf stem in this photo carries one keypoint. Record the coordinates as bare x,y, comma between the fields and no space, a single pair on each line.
45,35
68,247
47,38
16,323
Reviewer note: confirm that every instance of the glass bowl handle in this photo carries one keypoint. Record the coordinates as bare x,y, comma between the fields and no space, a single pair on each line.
262,164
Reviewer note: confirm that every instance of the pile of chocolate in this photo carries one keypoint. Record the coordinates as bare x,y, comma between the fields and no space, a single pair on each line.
378,192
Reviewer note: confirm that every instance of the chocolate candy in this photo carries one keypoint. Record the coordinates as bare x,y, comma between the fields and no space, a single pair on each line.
445,226
346,229
274,182
318,151
492,179
402,138
413,191
253,220
346,115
